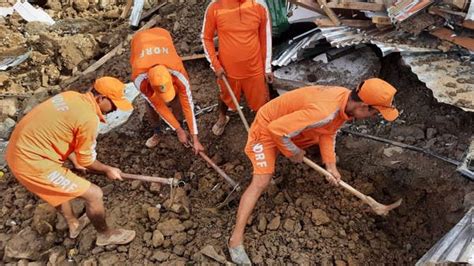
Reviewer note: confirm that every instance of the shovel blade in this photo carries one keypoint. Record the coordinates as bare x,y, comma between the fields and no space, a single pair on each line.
381,209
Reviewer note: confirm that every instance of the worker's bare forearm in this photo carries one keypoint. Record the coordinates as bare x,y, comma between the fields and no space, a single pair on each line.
97,166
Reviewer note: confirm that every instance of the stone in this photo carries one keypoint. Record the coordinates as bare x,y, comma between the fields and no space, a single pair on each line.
87,241
44,217
153,214
289,225
136,184
431,133
54,5
327,233
211,252
170,227
3,242
77,48
390,151
160,256
262,223
157,239
8,107
108,189
407,131
107,259
155,187
468,201
61,224
179,238
78,206
57,255
274,223
25,245
80,5
179,250
89,262
6,128
319,217
340,263
39,96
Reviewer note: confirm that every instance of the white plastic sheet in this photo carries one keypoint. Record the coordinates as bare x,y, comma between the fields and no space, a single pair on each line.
30,13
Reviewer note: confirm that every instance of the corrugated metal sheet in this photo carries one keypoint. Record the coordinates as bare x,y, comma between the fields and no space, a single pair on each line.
450,79
457,246
470,12
297,46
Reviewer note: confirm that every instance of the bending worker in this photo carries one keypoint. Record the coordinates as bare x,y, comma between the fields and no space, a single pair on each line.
296,120
245,50
159,73
63,125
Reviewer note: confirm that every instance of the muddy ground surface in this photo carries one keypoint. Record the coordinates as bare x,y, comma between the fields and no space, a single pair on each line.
300,219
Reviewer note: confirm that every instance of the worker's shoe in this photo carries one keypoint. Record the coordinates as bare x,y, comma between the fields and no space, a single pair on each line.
239,256
83,222
118,237
218,128
153,141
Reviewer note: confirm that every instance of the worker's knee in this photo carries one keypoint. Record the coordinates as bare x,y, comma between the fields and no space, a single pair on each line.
261,182
93,194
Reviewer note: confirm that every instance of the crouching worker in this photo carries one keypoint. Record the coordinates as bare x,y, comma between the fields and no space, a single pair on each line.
159,73
295,121
63,125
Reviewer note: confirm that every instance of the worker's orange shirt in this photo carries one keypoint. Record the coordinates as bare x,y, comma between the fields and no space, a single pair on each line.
155,47
44,138
245,37
316,111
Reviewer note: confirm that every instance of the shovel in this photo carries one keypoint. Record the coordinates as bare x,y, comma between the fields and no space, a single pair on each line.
236,103
162,180
378,208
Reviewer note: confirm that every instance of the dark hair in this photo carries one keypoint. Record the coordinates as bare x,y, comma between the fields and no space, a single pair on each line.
355,96
95,93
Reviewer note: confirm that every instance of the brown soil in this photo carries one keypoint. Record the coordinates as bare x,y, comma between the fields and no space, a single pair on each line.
300,219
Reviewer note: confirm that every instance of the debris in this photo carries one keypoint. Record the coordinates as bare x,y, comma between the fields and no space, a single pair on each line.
11,61
6,11
136,12
319,217
449,35
6,128
29,13
403,9
210,251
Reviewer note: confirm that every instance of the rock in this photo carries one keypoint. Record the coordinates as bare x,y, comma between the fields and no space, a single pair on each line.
262,223
80,5
86,242
319,217
211,252
153,214
77,48
179,250
78,206
160,256
407,131
25,245
136,184
157,239
3,242
390,151
340,263
57,255
327,233
169,163
155,187
179,239
6,128
107,259
274,223
431,133
170,227
61,224
289,225
8,107
108,189
54,5
44,217
89,262
40,95
468,201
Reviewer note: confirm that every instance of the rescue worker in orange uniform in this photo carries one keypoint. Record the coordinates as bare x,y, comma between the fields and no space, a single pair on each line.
245,51
63,125
296,120
159,73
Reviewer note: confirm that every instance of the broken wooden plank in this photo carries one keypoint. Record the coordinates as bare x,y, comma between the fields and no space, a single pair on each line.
381,20
357,6
107,56
329,12
469,24
449,35
193,57
309,4
127,8
357,23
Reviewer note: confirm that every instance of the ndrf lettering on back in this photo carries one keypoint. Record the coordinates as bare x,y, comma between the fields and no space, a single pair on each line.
59,103
154,51
61,181
259,155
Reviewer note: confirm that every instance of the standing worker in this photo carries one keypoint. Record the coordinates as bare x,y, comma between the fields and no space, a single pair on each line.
67,124
295,121
159,73
245,51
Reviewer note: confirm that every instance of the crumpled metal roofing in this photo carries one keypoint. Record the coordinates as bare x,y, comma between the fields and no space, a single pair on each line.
457,246
450,79
297,46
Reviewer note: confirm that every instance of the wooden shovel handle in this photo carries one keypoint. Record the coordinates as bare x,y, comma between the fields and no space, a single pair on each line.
236,103
155,179
220,171
343,184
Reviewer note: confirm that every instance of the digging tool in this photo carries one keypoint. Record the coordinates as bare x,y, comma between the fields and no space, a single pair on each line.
236,103
162,180
377,207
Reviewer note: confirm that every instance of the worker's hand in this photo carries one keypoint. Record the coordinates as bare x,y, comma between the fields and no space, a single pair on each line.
197,145
113,173
72,157
220,73
182,136
298,158
335,177
269,77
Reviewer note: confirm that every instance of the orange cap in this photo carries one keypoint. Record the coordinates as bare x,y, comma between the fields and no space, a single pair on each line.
379,94
160,80
113,89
